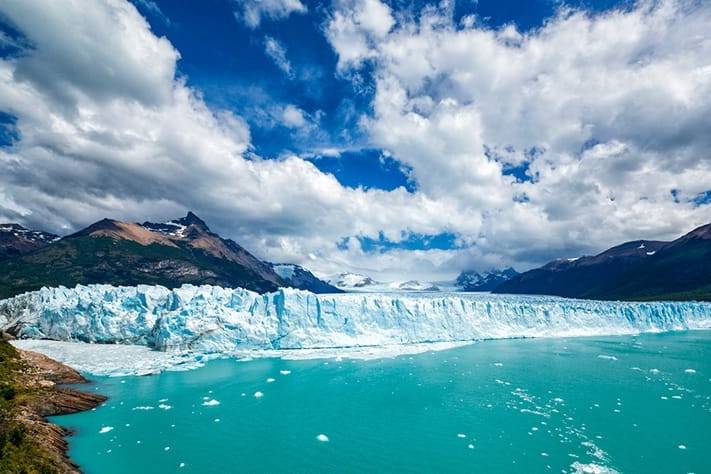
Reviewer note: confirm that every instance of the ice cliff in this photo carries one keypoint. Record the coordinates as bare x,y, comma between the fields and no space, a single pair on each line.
213,319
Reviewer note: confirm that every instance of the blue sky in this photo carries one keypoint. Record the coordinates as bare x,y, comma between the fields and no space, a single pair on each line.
226,60
385,137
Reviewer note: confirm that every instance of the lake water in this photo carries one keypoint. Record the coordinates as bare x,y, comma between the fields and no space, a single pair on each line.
631,404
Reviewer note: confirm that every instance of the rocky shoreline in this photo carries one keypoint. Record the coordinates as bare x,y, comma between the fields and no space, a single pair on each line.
32,389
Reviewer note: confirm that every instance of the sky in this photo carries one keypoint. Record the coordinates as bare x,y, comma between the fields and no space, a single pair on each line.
396,139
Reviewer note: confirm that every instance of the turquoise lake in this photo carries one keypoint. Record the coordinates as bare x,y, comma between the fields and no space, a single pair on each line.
630,404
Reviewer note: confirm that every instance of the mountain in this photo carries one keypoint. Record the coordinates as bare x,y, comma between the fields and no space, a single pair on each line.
352,281
125,253
358,282
413,285
487,281
16,240
296,276
638,270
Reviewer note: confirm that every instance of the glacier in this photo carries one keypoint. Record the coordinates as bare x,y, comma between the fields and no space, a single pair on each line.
209,319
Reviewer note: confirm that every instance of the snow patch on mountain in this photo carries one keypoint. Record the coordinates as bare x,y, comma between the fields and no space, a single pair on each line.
284,270
486,281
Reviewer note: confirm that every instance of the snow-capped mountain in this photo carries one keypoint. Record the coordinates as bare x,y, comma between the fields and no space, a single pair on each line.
181,251
486,281
296,276
636,270
414,285
17,240
359,282
351,281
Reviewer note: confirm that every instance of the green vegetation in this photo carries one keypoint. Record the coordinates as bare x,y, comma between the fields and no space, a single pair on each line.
19,451
89,259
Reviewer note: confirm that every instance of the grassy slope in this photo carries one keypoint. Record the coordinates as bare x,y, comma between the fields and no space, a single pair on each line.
85,260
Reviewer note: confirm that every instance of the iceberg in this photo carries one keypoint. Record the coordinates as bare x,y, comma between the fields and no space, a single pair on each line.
210,319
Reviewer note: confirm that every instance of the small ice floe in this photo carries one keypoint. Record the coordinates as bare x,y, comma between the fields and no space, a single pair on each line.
607,357
461,435
545,455
216,420
143,408
498,364
162,400
163,406
690,371
323,438
270,380
653,371
470,446
285,372
210,403
167,448
258,394
681,446
105,429
182,464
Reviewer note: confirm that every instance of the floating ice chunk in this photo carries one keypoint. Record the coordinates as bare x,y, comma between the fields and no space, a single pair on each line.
182,464
470,446
285,372
323,438
167,448
461,435
498,364
690,371
210,403
270,380
681,446
608,357
591,468
258,394
143,407
216,420
163,406
545,455
654,371
105,429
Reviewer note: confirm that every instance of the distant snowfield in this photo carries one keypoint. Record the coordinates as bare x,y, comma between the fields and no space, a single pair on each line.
189,325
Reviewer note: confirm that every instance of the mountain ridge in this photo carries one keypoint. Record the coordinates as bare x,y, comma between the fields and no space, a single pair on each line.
635,270
181,251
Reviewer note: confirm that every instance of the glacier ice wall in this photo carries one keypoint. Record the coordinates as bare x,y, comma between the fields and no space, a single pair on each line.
213,319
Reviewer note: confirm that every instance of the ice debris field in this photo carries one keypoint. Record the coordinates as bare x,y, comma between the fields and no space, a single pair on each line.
190,324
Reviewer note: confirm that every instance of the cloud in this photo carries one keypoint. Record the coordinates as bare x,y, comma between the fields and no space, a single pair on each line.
153,8
133,141
608,112
253,11
355,27
277,53
605,114
293,117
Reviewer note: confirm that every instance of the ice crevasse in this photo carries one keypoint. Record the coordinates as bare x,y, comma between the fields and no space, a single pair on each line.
214,319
